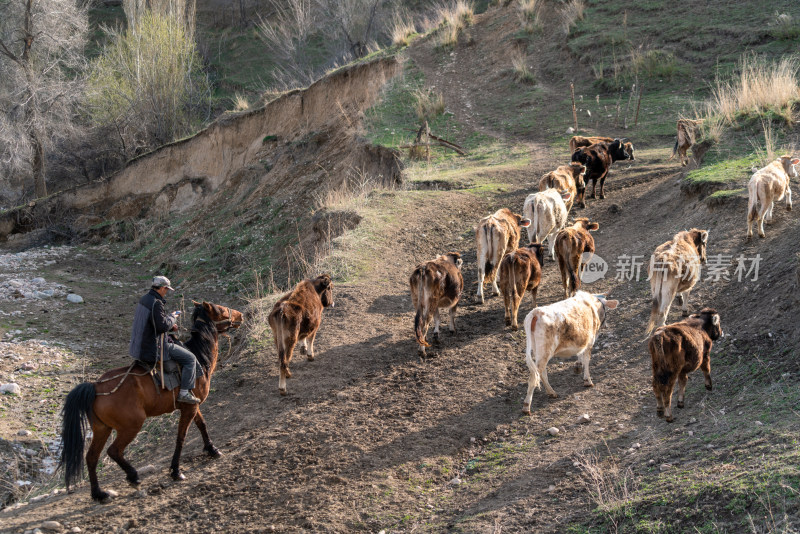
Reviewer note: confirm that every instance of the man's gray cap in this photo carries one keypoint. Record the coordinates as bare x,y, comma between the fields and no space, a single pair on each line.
162,281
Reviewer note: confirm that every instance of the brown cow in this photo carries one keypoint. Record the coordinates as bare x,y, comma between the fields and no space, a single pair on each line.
687,131
598,159
435,284
296,317
677,350
579,141
574,247
495,235
566,178
675,268
520,271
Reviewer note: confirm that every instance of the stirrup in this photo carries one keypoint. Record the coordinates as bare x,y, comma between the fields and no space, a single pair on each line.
188,398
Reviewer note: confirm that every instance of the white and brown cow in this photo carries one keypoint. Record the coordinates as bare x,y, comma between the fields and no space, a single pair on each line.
548,215
767,186
567,328
435,284
675,268
520,271
677,350
574,247
565,179
296,317
495,235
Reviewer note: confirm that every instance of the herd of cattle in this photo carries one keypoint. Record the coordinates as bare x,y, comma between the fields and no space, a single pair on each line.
568,327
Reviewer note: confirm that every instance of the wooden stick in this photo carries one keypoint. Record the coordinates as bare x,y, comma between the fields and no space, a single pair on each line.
636,121
574,110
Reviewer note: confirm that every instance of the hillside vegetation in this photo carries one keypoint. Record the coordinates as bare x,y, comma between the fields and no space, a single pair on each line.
371,438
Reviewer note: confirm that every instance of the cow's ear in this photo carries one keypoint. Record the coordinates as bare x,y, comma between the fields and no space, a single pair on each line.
196,303
795,161
459,262
704,236
524,223
611,304
593,226
325,280
715,319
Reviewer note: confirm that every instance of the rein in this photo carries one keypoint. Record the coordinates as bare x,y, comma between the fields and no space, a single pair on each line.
123,375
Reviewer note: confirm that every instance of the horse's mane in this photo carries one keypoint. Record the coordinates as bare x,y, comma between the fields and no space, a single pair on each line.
204,337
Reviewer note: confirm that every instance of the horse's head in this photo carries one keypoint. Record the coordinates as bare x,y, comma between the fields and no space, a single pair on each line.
221,317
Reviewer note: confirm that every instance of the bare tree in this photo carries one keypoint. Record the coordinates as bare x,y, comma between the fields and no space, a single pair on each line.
355,21
41,58
286,34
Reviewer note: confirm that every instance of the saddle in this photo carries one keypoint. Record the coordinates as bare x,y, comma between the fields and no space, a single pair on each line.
172,373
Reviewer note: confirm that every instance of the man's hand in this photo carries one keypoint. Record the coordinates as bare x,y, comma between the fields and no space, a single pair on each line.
174,327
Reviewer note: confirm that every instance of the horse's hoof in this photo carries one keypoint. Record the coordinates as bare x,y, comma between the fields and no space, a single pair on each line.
101,496
178,476
134,481
601,196
680,405
213,452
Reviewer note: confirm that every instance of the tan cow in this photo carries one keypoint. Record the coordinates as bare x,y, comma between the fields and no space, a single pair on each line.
435,284
548,215
767,186
296,317
520,271
675,268
574,247
566,328
678,349
687,131
496,234
565,178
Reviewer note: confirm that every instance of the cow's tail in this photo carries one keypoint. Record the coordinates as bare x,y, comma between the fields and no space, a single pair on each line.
74,424
280,343
573,276
535,220
661,367
674,149
530,354
488,266
660,301
423,302
752,202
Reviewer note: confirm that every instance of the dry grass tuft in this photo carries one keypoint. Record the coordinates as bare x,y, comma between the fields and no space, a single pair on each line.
571,13
240,103
610,486
401,30
428,104
519,65
530,14
453,18
760,87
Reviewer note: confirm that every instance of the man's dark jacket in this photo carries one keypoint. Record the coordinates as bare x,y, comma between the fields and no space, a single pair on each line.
149,322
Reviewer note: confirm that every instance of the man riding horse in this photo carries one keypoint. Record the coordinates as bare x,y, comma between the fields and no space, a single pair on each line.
149,339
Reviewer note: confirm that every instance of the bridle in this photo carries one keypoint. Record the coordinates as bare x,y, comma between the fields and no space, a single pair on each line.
226,322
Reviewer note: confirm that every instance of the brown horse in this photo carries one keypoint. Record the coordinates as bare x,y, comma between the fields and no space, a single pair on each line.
123,398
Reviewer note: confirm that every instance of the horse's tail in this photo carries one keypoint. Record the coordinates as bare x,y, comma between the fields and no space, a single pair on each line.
75,422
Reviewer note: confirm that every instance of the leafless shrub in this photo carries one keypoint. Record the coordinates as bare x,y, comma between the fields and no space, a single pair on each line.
453,18
286,35
41,47
240,103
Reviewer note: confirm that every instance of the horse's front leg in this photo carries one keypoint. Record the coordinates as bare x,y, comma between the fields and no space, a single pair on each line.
209,447
188,413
